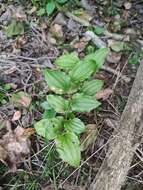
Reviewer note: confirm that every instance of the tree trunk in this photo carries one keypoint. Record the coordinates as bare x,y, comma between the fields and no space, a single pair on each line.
123,144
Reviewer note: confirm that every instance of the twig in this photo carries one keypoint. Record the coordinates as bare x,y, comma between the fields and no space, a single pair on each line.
85,4
95,39
110,70
86,23
114,35
77,19
6,63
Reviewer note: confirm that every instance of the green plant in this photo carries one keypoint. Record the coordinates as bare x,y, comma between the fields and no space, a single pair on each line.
4,89
73,92
15,28
48,6
135,58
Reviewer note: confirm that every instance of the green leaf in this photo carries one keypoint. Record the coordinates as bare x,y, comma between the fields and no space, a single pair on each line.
15,28
91,63
134,59
57,121
82,70
58,103
7,87
49,113
68,147
57,81
67,61
2,97
50,7
62,1
21,99
75,125
118,46
41,12
83,103
99,30
45,105
74,87
91,87
45,129
99,57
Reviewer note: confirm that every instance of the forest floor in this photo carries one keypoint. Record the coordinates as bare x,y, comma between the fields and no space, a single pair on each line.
26,49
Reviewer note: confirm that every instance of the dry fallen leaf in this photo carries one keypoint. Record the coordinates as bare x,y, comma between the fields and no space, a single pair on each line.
89,136
114,57
3,154
16,116
80,46
32,10
28,132
84,15
104,94
19,14
21,99
19,42
15,145
56,31
25,101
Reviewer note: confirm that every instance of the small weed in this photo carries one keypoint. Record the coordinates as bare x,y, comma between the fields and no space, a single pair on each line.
4,89
135,58
121,103
72,91
48,7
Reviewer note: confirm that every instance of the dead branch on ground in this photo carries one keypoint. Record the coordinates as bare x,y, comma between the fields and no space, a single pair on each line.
123,144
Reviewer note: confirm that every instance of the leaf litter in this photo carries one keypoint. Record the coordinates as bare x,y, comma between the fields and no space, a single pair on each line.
15,146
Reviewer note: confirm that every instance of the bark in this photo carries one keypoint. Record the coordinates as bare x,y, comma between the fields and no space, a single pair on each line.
123,144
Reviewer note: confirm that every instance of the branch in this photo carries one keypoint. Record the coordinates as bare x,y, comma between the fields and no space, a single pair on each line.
123,144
